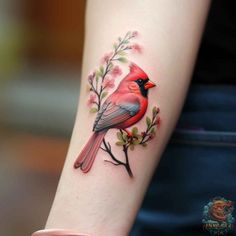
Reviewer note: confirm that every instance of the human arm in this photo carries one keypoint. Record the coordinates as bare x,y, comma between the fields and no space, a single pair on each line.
105,200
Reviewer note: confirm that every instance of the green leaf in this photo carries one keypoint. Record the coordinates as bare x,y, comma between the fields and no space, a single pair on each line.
119,136
101,69
136,141
154,111
140,137
122,59
104,94
115,45
148,121
110,66
121,53
93,110
152,130
98,73
134,131
125,136
131,147
128,33
120,143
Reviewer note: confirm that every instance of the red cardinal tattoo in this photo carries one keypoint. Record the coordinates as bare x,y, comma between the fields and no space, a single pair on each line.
122,109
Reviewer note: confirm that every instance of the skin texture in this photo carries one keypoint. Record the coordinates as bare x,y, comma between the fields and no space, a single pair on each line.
122,109
105,201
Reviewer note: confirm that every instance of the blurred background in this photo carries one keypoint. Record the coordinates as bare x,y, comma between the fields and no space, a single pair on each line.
40,57
41,45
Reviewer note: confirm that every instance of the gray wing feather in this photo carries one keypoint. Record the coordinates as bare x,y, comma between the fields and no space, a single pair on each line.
111,115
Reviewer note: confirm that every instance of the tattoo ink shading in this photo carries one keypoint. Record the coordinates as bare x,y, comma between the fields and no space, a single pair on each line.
103,78
122,109
128,140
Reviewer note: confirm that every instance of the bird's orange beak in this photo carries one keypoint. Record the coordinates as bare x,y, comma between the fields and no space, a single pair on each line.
149,85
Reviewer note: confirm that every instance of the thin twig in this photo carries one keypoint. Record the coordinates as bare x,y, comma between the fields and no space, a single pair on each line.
117,49
116,161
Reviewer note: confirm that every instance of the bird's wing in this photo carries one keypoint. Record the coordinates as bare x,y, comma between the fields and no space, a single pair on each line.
112,114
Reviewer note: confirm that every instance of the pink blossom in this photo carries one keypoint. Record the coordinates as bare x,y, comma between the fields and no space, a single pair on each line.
91,100
136,48
109,83
134,33
106,57
158,121
91,77
116,71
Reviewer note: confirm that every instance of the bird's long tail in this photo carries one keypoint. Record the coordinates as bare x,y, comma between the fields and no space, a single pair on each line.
87,156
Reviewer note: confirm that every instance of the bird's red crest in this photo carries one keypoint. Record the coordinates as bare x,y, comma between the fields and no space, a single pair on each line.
134,69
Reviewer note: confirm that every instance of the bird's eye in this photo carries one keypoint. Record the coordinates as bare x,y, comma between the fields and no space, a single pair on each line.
140,81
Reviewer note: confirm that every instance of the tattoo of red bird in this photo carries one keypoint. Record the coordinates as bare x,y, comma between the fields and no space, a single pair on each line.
122,109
